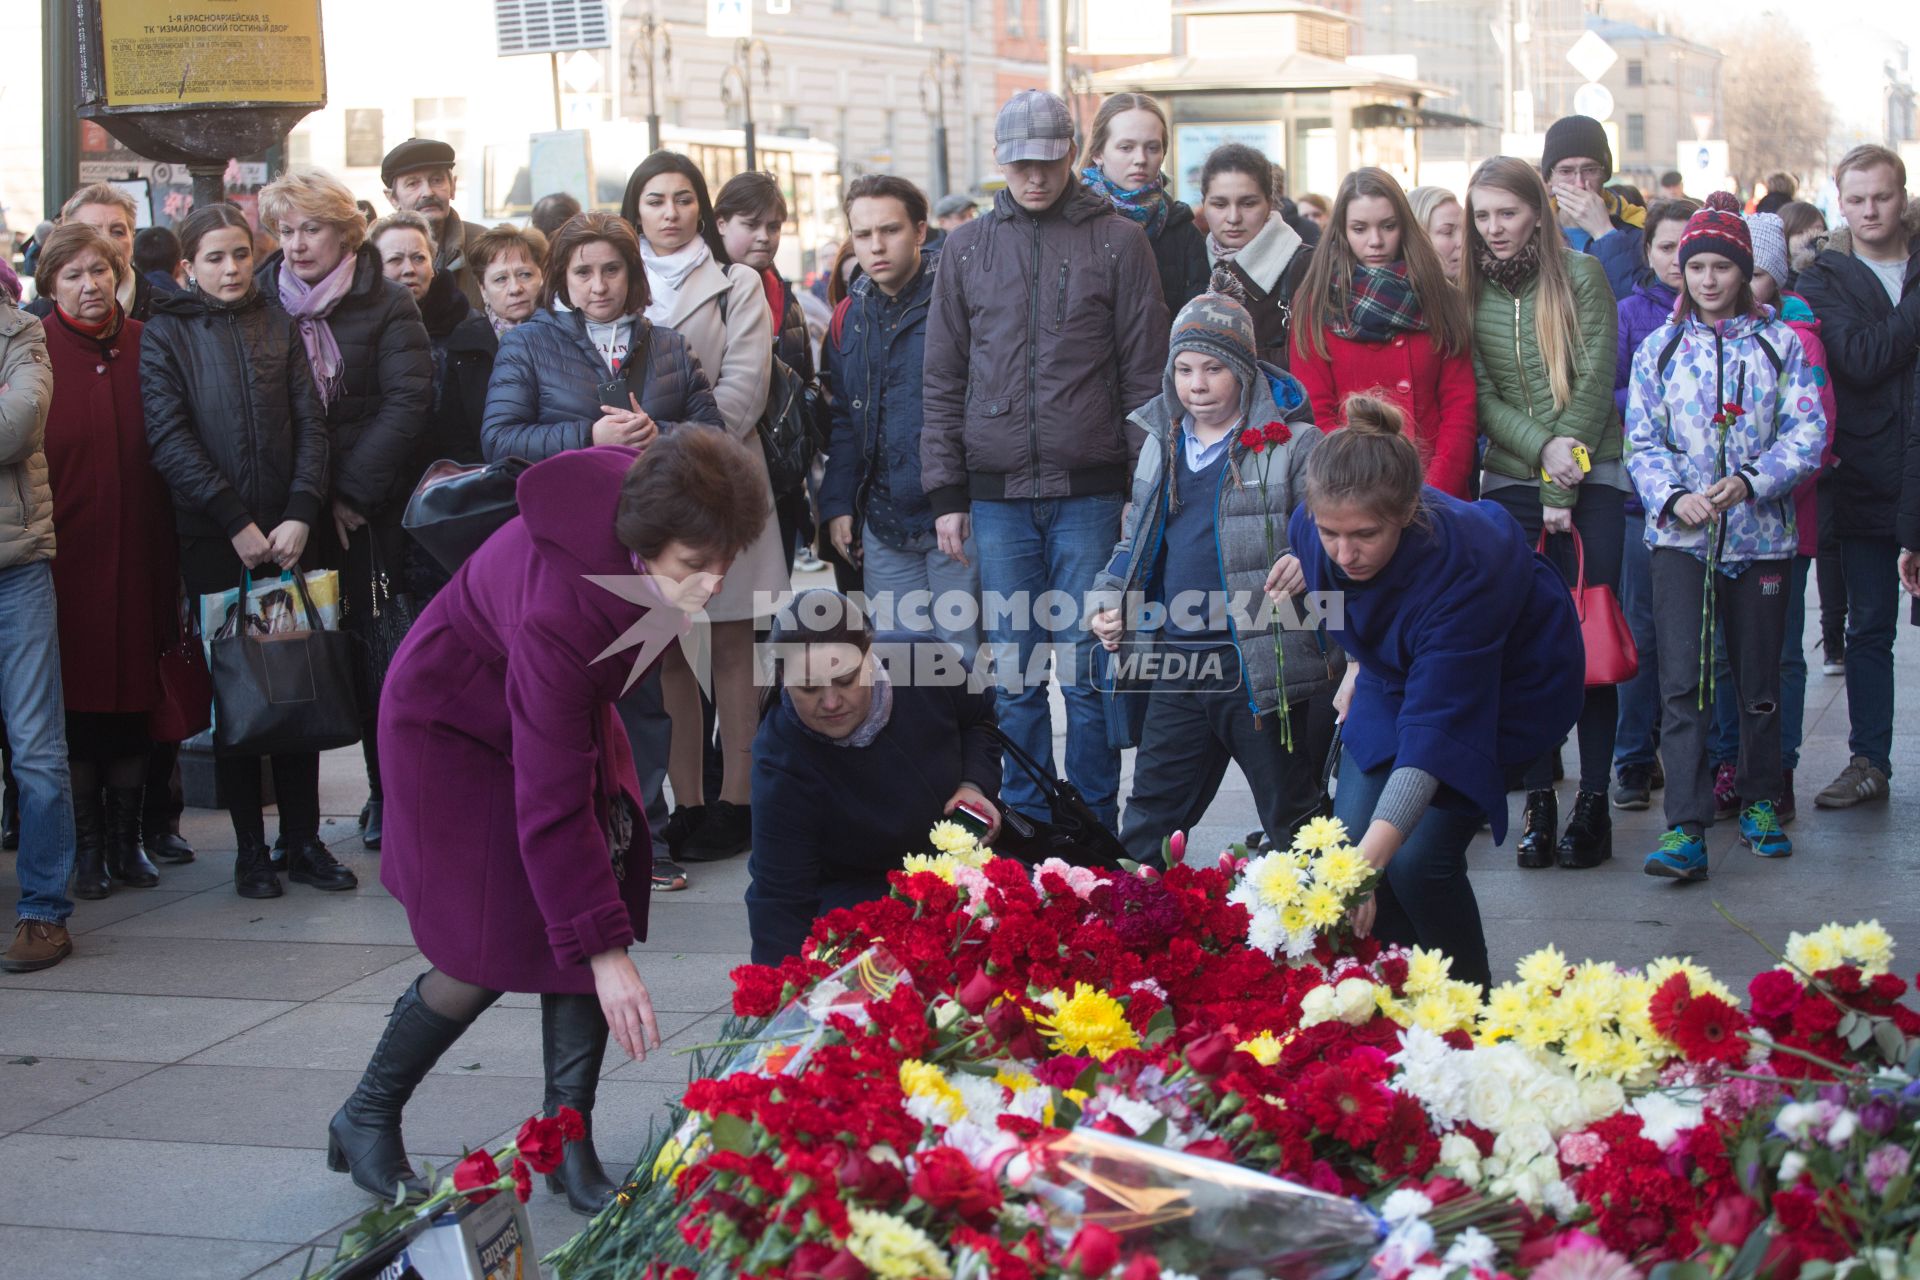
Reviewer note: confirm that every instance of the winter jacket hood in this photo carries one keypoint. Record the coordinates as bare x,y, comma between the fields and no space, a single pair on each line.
1773,443
1252,488
233,421
1045,332
26,498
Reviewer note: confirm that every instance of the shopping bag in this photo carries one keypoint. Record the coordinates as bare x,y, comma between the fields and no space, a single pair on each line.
283,691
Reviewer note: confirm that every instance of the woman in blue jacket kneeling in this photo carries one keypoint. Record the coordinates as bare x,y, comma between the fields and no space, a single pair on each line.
1465,659
862,750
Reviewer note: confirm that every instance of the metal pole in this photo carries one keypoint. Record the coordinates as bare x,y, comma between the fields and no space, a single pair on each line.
553,62
1056,18
753,155
1507,64
209,184
942,177
60,128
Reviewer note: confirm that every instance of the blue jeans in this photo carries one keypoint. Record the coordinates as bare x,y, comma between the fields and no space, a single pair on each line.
1426,899
1872,568
34,712
1027,548
1639,697
925,570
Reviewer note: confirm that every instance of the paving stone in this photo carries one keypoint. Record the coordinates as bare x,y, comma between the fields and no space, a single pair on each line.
34,1088
129,1028
136,965
34,1253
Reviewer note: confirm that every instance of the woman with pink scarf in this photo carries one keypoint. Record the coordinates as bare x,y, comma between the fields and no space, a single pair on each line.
373,367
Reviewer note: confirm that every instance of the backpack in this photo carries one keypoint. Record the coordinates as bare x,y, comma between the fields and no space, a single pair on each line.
786,423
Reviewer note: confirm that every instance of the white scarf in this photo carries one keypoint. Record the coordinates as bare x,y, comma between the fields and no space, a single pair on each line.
666,273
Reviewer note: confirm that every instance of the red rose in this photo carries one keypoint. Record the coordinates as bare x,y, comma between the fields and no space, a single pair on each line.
1733,1220
1277,433
1142,1266
1208,1055
1008,1024
1094,1252
1253,440
977,992
522,1180
816,1261
864,1178
476,1175
947,1181
540,1141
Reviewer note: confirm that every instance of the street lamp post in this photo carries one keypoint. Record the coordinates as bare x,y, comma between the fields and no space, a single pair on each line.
740,72
655,33
933,96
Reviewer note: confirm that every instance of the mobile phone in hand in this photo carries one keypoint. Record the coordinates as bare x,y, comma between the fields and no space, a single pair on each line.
612,393
975,819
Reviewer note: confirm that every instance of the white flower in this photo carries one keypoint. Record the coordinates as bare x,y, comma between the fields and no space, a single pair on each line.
1797,1119
1662,1117
1138,1115
820,1000
1792,1165
1458,1153
1471,1249
1264,932
1406,1204
1353,1001
1561,1200
1842,1129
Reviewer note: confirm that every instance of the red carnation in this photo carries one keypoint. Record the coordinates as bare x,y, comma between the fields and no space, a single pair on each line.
1733,410
1773,994
1709,1031
816,1261
947,1181
1142,1266
522,1180
1253,440
541,1139
1733,1220
476,1175
1277,433
1094,1252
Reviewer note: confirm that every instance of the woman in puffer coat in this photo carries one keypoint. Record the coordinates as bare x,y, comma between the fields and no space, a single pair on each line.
1725,420
240,436
372,366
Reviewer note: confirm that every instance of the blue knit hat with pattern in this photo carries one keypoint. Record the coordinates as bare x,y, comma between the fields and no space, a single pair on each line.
1221,327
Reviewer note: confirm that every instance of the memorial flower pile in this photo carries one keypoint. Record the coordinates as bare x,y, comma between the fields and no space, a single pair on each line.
1011,1071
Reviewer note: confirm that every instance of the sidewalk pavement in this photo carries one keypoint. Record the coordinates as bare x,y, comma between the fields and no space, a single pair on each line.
164,1093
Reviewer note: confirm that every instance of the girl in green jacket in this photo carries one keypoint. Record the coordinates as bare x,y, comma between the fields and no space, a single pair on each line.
1543,360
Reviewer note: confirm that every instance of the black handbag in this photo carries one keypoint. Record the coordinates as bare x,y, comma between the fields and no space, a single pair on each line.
1072,833
457,506
392,617
286,692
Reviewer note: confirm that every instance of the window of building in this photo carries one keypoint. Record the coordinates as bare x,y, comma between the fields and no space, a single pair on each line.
1016,17
366,137
929,10
1636,133
1636,73
299,149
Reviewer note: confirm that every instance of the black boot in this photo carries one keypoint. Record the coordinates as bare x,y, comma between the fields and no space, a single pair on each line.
363,1138
310,862
573,1042
726,830
160,829
90,878
1537,835
253,875
370,821
681,824
124,858
10,813
1588,841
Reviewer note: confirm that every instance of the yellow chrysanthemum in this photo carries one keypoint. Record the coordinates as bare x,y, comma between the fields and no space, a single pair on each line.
1426,971
894,1249
1323,907
1264,1048
1590,1051
950,837
1293,918
1434,1012
1812,952
1089,1021
1508,1004
924,1080
1342,870
1015,1079
1319,835
1872,946
1276,880
941,865
1544,970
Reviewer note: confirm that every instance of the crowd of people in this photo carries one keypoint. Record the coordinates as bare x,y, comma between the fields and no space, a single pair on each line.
1245,481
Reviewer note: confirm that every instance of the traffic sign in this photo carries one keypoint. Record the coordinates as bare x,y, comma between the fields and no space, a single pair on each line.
1593,100
1592,56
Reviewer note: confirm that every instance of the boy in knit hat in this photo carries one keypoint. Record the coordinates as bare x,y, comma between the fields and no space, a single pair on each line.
1576,162
1723,421
1198,601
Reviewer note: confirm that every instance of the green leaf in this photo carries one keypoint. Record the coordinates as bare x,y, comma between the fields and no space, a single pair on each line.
732,1133
1680,1271
1747,1262
1893,1045
1156,1133
1861,1033
1749,1169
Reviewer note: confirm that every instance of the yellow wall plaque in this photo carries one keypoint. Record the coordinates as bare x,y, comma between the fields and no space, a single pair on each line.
179,52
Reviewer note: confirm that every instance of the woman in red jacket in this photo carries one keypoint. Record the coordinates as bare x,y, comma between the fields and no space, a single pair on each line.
115,572
1377,314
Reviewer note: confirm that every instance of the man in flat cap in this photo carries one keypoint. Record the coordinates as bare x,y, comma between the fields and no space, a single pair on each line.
418,176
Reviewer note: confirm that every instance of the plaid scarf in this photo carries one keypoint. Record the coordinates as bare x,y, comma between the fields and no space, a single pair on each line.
1380,303
1148,206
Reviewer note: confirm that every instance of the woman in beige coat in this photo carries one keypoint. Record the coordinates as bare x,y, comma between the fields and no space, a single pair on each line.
720,308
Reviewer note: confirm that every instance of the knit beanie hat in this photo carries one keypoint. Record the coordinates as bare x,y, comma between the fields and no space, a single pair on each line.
1219,326
1769,246
1719,228
1572,136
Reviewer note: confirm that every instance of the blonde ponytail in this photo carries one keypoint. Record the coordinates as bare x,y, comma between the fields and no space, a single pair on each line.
1371,462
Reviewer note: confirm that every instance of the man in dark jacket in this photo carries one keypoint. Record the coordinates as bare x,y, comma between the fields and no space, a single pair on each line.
1048,327
1864,284
876,512
1577,162
418,176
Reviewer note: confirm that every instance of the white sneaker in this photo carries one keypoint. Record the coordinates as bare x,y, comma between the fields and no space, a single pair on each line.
1829,667
807,562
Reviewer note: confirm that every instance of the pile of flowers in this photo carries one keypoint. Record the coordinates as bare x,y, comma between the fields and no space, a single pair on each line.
1010,1071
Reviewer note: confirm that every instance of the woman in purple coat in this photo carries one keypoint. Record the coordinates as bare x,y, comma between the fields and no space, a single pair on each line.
514,838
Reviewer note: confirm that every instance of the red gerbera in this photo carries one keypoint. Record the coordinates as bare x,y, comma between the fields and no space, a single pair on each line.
1709,1031
1253,440
1669,1001
1344,1105
1277,433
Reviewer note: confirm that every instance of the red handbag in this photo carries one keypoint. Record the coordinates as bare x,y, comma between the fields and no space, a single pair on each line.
1612,657
185,706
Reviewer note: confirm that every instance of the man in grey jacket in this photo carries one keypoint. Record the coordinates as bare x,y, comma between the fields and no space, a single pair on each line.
1047,329
30,698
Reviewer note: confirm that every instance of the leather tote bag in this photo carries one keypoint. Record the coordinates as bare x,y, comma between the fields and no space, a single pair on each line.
285,692
1612,657
457,506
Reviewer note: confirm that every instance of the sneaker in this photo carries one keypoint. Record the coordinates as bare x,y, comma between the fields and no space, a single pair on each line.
1760,831
1679,857
807,562
37,944
727,830
1633,787
1726,791
1833,661
1783,808
1858,782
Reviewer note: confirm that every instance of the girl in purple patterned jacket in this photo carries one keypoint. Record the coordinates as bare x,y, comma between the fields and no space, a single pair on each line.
1723,420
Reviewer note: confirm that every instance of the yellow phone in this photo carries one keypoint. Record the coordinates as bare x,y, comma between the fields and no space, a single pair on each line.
1580,456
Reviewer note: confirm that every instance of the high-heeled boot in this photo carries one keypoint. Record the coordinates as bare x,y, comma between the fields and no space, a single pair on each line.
363,1138
1539,832
90,878
573,1042
125,859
